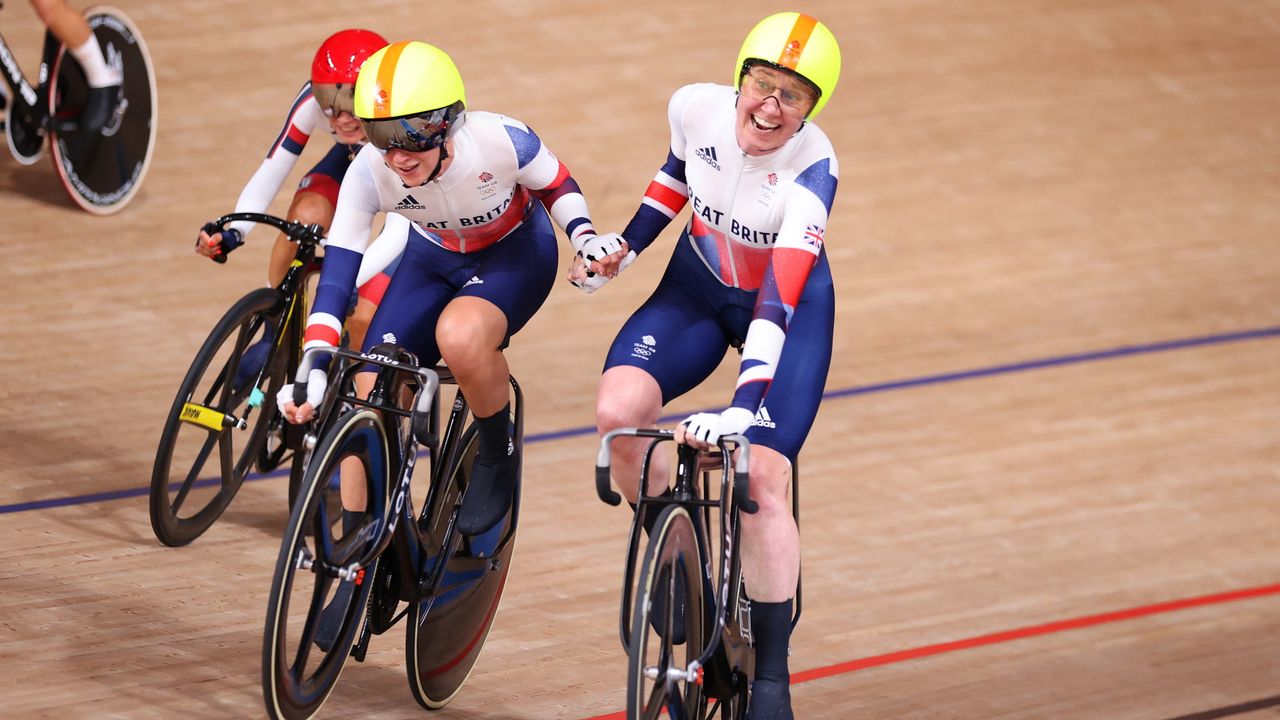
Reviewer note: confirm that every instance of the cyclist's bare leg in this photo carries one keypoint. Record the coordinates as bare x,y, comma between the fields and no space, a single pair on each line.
771,569
357,323
770,539
308,208
469,333
65,23
631,397
354,493
103,79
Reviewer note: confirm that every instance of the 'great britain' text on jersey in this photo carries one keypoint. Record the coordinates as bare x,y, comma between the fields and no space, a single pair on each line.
467,221
737,229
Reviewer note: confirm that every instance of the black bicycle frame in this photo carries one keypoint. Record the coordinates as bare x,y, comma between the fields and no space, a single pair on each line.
292,287
33,101
411,548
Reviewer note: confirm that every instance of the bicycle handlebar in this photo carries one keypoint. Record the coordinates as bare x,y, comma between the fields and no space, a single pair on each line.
295,231
429,378
741,474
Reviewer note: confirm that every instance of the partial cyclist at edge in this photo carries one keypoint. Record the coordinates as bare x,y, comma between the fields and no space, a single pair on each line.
104,80
749,267
324,102
481,253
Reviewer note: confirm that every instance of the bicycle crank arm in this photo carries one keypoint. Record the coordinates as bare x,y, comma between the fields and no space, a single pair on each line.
304,561
675,674
307,561
210,418
349,573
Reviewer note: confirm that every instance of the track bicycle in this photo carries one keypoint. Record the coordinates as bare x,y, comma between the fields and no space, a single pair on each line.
101,170
224,420
398,564
687,633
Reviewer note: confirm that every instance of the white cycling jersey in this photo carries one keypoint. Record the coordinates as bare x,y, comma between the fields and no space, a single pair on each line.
482,196
743,206
498,167
758,222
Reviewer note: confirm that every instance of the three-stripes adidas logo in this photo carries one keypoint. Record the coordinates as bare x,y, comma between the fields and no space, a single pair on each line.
708,155
409,203
763,419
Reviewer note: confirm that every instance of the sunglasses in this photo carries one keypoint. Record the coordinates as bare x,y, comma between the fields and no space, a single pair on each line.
335,99
415,133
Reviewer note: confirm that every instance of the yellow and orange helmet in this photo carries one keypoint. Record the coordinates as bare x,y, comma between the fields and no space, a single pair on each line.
417,85
798,44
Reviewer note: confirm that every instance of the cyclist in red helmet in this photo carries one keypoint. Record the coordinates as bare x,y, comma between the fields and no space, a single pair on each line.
324,102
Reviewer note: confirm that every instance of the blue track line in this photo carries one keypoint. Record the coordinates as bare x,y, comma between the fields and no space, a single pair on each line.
1074,359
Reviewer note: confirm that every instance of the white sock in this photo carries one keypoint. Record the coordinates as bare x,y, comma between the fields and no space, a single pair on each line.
96,71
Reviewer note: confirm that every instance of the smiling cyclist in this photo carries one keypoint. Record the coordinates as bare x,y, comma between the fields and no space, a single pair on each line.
749,267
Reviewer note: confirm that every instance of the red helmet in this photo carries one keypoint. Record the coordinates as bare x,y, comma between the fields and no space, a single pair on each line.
339,58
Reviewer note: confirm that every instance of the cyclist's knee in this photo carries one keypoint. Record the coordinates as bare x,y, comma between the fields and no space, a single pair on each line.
613,413
770,480
311,208
460,343
628,397
470,332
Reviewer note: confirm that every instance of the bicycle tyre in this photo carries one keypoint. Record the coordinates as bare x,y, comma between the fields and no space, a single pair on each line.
220,398
101,171
445,633
672,549
290,690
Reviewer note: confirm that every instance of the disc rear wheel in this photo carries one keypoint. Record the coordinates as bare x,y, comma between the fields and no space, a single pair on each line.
102,170
447,631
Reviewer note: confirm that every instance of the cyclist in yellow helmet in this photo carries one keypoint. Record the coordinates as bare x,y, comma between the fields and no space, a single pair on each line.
749,267
481,256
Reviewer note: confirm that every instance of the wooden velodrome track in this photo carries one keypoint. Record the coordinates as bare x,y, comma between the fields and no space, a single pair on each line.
1045,483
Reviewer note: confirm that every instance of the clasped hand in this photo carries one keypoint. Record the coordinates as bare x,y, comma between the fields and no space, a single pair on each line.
599,260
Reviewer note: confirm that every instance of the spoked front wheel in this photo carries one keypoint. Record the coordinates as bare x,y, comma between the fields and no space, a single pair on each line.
314,612
102,170
668,624
447,631
218,422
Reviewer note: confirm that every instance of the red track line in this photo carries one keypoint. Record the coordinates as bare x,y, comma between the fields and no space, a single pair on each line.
1017,634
